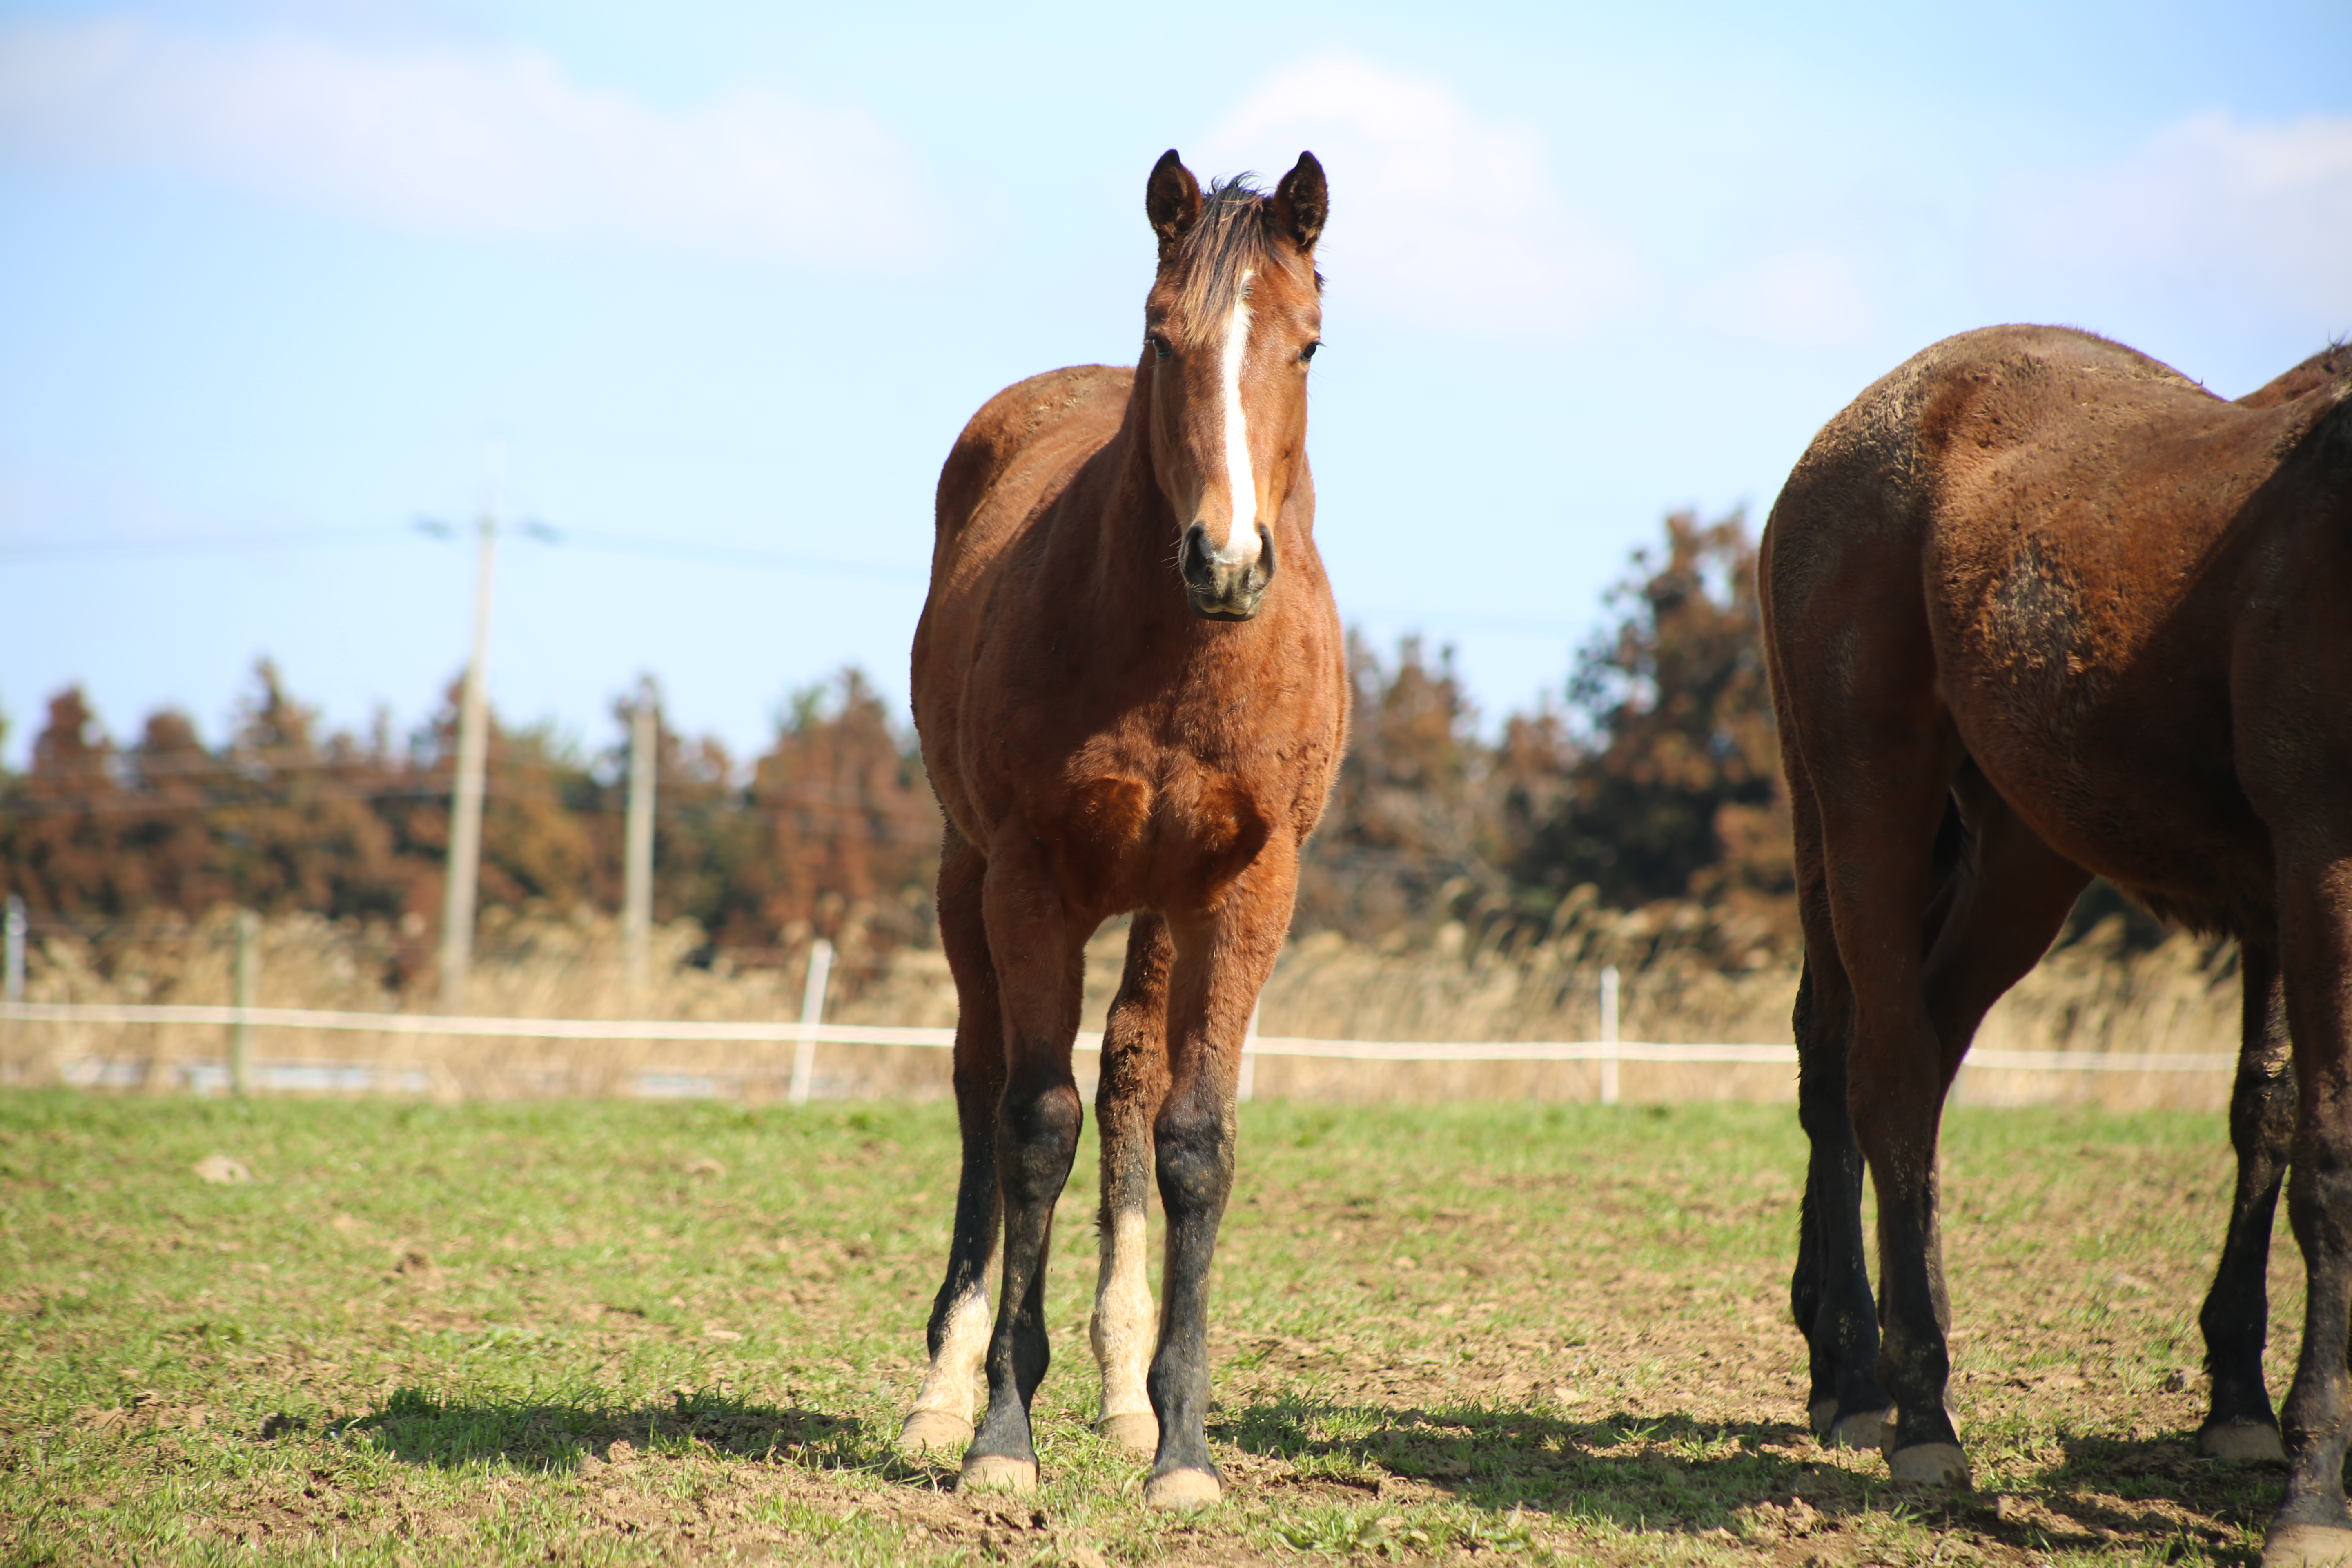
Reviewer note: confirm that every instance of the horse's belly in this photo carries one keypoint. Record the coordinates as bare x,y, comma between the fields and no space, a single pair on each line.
2128,786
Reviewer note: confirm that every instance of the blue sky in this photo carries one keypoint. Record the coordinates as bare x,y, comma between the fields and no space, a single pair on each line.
729,279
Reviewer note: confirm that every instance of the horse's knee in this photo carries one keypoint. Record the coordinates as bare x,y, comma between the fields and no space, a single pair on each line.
1037,1134
1195,1159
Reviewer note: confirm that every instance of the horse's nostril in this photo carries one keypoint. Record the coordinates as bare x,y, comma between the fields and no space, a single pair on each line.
1196,553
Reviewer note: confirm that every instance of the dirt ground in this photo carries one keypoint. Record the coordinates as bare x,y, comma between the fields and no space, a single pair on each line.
593,1332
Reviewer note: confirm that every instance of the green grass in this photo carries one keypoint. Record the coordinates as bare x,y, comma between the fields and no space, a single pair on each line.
625,1332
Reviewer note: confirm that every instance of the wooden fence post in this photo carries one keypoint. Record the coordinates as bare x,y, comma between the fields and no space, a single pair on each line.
820,970
248,983
1609,1034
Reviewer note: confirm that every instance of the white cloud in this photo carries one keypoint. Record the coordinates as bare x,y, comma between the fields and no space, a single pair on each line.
1439,214
2262,210
1807,295
482,141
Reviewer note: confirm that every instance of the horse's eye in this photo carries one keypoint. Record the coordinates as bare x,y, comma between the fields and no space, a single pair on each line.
1308,351
1159,345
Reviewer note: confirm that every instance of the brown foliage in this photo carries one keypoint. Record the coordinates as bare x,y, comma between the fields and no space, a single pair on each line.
835,834
1656,779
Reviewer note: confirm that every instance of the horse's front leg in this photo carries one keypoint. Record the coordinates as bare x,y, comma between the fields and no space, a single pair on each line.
1040,959
1222,960
2239,1424
957,1334
1134,1084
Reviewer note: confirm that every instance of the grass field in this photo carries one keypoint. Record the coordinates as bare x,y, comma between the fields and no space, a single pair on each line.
605,1332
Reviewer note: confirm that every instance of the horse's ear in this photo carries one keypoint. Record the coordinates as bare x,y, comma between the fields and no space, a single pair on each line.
1302,201
1172,198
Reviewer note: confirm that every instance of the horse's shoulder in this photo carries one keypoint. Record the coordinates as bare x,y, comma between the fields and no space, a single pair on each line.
1034,425
1016,418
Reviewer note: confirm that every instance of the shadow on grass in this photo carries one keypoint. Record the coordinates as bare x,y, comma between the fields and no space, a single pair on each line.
2101,1479
1674,1473
419,1428
1505,1460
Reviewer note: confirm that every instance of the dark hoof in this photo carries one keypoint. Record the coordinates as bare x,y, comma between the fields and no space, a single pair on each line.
1184,1489
2306,1546
2243,1443
1822,1415
1934,1463
997,1473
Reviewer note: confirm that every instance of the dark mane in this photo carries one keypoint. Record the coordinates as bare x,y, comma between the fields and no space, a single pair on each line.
1234,238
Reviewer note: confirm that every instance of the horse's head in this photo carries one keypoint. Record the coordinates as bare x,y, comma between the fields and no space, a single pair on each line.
1233,317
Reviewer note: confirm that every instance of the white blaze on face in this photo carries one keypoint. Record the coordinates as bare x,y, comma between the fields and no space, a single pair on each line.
1240,542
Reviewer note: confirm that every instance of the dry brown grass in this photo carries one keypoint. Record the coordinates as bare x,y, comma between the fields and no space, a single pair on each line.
1690,974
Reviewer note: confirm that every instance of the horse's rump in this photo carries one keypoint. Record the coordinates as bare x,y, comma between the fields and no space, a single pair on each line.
2047,536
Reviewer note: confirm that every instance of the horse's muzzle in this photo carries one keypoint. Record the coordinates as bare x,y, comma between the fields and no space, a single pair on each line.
1222,592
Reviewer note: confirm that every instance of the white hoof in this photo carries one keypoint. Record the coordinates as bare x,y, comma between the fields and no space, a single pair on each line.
1822,1415
2245,1443
935,1429
1183,1488
995,1473
2306,1546
1138,1432
1863,1429
1937,1464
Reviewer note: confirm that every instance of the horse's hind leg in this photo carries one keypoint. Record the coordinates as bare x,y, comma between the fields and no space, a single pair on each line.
2236,1318
2312,1525
1830,1294
957,1335
1134,1082
1880,822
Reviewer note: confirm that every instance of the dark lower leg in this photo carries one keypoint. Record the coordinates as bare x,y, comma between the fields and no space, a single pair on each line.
2236,1316
2319,1205
957,1334
2316,953
1914,1362
1830,1294
1037,1139
1195,1158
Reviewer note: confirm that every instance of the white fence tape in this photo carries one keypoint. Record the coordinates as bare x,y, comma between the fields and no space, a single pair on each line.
1088,1040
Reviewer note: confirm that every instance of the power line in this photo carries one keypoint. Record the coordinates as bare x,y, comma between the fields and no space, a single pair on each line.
38,549
674,548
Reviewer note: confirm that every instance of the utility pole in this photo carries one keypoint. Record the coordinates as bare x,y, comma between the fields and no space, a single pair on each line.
637,880
13,963
464,866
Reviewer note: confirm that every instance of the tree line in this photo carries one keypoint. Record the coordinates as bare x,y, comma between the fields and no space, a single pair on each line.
1651,774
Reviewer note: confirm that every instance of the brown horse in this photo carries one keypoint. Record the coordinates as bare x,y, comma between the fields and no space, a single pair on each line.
1132,695
2036,607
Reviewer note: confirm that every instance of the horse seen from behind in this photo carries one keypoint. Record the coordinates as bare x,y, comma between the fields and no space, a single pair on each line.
1130,686
2038,608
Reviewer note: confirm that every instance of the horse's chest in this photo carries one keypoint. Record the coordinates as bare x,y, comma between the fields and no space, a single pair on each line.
1130,838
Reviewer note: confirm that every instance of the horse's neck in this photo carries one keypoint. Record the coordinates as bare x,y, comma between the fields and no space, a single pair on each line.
1134,540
